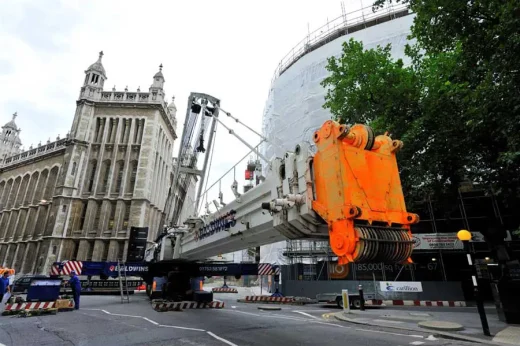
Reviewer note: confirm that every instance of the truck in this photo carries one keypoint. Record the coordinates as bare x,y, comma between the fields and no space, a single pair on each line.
342,185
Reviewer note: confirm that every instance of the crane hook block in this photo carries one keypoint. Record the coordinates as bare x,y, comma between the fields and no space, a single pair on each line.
358,193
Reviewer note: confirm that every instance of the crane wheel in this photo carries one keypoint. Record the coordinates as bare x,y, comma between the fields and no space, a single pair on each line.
380,244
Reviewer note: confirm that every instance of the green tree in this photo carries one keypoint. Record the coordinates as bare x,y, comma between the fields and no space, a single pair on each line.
457,106
415,103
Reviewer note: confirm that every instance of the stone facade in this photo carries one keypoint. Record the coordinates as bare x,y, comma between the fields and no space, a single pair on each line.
77,197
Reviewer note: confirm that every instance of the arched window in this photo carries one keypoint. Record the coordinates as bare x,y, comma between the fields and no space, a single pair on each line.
106,174
133,176
119,179
91,176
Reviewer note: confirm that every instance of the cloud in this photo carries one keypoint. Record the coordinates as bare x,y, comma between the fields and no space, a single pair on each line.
228,49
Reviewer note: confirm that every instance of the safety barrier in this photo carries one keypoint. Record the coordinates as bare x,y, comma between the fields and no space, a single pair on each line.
399,302
39,307
224,290
270,299
162,306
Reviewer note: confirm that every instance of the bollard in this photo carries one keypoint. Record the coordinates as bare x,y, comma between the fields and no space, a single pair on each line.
346,301
362,298
225,283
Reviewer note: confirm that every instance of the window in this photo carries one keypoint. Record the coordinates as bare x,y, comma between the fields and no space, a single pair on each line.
106,174
133,176
98,127
94,79
119,179
120,250
126,219
97,220
90,250
76,251
110,129
73,171
105,251
111,221
83,215
92,174
123,131
136,130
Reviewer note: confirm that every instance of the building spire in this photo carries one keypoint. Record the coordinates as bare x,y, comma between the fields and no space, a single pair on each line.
100,55
15,114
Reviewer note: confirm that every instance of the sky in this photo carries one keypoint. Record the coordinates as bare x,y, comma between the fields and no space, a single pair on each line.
228,49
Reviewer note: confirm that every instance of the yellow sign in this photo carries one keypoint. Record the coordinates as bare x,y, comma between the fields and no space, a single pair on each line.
346,302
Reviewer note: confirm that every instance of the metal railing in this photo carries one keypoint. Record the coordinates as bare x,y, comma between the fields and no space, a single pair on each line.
337,27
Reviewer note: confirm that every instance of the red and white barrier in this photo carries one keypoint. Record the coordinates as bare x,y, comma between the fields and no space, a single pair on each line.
216,304
29,306
269,299
224,290
398,302
68,266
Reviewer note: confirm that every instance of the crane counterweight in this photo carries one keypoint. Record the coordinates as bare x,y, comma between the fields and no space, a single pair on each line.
358,193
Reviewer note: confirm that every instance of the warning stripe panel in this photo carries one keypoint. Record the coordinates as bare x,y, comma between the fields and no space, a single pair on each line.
216,304
269,299
29,306
264,269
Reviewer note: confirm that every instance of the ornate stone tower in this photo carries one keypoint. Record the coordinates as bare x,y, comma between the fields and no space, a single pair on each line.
10,140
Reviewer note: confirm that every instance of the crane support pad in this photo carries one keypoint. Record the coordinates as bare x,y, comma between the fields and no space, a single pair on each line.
163,306
357,191
224,290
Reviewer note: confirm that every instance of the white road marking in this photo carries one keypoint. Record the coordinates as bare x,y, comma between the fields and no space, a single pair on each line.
319,322
287,318
416,343
165,326
222,339
147,319
431,338
306,314
233,307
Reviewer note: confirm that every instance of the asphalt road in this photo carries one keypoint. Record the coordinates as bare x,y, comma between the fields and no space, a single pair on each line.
103,320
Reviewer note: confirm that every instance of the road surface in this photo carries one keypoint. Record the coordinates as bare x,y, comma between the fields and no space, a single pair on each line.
103,320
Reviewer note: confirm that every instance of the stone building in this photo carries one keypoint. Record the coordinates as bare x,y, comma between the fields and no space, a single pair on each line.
77,197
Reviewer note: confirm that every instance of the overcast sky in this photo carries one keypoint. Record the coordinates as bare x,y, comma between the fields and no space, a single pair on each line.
228,49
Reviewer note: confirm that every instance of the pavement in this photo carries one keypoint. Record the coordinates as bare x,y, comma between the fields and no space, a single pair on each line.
461,323
103,320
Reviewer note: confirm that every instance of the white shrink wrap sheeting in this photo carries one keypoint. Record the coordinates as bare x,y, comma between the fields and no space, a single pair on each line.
294,107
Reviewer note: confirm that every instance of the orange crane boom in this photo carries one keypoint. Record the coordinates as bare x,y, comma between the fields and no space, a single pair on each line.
358,193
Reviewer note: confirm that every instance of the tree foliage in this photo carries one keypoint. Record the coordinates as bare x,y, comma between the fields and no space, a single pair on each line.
457,103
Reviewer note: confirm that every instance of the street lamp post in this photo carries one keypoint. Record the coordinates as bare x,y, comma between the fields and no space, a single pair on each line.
465,236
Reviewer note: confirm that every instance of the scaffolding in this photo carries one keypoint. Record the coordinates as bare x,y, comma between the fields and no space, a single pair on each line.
473,209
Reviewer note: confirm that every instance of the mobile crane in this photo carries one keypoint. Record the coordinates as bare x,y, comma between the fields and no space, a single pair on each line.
346,190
